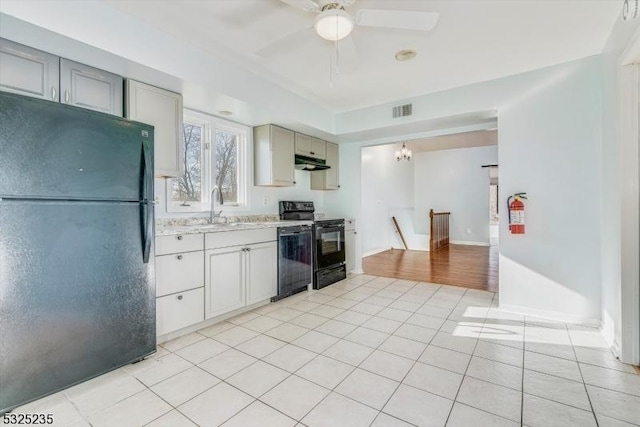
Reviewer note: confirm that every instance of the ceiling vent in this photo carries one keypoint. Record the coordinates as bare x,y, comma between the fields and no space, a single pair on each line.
402,110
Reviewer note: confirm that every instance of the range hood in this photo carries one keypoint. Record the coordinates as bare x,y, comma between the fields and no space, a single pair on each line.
310,164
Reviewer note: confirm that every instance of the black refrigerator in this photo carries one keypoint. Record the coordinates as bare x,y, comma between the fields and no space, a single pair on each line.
77,288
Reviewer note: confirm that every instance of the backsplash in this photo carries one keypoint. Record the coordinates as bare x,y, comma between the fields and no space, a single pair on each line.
186,221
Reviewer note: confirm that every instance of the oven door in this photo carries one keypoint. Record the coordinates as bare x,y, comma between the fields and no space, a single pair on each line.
329,245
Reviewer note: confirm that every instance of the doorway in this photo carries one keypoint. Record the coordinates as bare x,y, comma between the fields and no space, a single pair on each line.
446,174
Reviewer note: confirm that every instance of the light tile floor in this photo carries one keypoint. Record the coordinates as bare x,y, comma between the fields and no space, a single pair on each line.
367,351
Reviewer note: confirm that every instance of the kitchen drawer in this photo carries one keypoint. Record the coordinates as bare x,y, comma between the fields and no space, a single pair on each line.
242,237
179,310
179,243
179,272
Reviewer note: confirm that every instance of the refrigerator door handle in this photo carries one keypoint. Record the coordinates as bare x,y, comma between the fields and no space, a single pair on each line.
145,206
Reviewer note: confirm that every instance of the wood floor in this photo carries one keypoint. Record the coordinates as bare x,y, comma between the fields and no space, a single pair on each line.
460,265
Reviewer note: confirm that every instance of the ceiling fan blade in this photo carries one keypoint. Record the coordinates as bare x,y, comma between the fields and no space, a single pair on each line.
306,5
400,19
348,58
285,42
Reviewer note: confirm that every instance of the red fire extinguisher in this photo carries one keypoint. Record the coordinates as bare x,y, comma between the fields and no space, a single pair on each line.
516,213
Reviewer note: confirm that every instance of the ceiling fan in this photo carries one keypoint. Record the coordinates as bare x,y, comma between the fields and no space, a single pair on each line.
333,23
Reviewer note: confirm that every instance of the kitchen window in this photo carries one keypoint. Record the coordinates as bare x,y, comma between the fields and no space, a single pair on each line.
214,153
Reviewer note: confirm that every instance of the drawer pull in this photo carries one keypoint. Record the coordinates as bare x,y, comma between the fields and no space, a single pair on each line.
180,297
179,237
179,257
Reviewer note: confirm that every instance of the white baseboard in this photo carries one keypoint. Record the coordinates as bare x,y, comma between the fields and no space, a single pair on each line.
468,243
551,315
375,251
607,328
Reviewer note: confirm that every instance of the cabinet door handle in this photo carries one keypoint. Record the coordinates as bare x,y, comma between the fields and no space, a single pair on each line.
54,92
180,297
179,237
66,96
179,257
312,152
355,232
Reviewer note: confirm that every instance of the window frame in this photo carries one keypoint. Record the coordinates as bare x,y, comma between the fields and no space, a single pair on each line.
211,124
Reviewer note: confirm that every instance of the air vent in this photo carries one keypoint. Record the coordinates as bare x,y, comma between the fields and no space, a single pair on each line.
402,110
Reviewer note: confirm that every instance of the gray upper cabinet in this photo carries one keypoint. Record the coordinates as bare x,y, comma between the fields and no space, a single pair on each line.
302,144
273,156
318,149
32,72
90,88
29,71
163,110
328,179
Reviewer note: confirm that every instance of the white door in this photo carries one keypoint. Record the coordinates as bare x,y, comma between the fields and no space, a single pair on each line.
262,274
224,287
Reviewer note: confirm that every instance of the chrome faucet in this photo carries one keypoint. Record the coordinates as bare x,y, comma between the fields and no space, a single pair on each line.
215,215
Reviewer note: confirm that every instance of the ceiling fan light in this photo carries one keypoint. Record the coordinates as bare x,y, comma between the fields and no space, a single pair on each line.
333,24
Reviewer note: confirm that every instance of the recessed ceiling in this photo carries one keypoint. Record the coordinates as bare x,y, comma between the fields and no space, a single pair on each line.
482,138
474,41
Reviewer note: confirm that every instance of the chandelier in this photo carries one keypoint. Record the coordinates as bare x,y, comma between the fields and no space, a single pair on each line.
403,153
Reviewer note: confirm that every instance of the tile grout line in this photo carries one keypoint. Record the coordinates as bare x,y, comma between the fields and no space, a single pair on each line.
455,399
332,390
290,342
524,350
294,373
358,366
593,412
414,363
318,354
378,348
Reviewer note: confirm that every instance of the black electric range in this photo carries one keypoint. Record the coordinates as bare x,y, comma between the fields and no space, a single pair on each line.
329,238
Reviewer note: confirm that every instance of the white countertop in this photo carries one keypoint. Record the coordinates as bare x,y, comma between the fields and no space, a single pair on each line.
219,228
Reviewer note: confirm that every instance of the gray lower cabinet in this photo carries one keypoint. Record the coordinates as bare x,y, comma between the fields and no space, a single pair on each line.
32,72
91,88
29,71
179,282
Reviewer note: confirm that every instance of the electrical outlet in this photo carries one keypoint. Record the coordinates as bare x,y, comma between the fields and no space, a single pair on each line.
265,201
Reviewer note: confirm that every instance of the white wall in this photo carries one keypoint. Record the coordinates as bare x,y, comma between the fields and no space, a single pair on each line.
447,180
619,251
454,181
387,190
119,43
549,146
300,191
